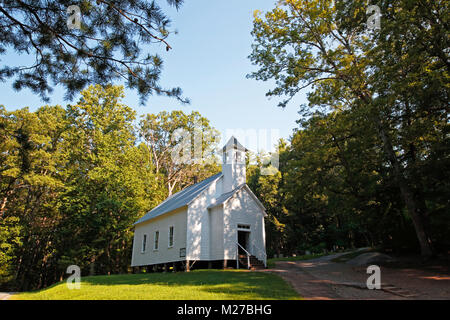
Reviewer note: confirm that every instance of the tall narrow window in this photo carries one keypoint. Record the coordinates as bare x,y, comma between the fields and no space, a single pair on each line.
144,243
156,240
170,236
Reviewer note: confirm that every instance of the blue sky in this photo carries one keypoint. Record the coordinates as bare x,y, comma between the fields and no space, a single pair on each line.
209,61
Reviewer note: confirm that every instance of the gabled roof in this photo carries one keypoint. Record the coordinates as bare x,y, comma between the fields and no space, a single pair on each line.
179,199
226,196
234,144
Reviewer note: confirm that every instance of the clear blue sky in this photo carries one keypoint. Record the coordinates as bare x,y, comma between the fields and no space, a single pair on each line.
209,62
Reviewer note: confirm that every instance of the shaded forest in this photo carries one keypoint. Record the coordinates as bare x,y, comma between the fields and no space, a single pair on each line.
369,163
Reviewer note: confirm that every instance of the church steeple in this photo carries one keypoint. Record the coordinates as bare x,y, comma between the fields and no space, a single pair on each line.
233,165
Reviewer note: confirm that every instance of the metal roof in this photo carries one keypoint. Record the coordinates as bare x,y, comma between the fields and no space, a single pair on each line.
179,199
224,197
233,144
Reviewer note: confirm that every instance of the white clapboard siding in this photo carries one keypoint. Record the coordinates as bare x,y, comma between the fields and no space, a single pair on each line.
164,254
205,218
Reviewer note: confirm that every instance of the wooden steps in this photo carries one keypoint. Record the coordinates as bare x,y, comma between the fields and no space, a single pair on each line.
255,263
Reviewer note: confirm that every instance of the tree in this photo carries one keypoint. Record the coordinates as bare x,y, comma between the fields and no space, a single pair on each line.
113,42
339,187
269,189
110,185
324,45
31,179
182,147
10,240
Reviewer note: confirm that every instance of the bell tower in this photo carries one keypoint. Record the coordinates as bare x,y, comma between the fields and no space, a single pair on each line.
233,165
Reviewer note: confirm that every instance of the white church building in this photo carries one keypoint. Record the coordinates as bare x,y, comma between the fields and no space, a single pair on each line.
217,222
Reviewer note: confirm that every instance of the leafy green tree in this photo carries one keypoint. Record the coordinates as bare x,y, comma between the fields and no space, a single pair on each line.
168,136
411,76
32,177
269,189
336,176
10,240
324,45
107,192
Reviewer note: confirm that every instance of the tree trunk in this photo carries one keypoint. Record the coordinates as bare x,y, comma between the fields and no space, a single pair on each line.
407,195
3,205
405,191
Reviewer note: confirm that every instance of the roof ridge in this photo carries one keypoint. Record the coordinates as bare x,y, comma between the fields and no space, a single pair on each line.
180,199
225,196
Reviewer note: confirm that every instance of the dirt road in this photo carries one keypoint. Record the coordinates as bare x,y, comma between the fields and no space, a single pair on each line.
322,278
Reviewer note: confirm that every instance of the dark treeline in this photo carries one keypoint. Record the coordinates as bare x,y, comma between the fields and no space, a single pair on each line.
370,162
74,180
335,189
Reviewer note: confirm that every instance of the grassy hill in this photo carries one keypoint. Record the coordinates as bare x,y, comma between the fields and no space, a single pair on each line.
195,285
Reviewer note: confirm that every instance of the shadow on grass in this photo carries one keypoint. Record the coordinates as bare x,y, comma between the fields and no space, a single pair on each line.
351,255
261,285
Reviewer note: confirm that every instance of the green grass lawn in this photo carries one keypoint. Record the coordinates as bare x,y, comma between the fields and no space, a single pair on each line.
351,255
271,262
195,285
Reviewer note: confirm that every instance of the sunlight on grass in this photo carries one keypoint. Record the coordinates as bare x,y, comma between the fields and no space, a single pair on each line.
195,285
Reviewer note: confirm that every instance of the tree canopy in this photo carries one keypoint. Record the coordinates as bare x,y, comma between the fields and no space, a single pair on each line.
116,40
394,81
73,181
